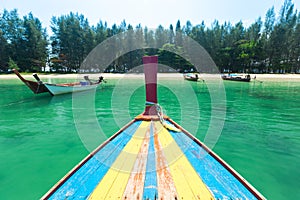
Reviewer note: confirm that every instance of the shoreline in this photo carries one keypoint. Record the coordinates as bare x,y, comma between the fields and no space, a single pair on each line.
259,77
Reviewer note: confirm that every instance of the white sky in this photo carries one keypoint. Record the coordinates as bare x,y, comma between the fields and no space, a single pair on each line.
150,13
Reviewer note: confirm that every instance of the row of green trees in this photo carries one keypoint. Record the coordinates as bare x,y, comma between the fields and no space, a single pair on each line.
22,41
269,45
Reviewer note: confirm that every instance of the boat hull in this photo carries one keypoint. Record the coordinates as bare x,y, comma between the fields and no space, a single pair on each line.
145,160
247,78
56,89
152,158
234,79
35,87
191,77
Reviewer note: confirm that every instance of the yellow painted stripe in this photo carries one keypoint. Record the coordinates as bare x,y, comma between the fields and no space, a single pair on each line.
165,184
187,182
114,182
135,185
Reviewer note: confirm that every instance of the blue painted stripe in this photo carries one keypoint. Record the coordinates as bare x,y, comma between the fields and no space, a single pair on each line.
85,179
150,184
219,180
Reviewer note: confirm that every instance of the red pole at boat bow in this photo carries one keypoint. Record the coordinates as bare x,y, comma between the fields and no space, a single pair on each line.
150,70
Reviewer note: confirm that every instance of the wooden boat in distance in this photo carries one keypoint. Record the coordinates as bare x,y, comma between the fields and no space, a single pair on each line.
62,88
191,76
235,77
152,158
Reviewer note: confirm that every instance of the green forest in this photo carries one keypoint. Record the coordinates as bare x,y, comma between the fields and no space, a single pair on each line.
269,45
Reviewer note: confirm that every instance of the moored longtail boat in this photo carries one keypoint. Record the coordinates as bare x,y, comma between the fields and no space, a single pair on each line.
151,158
235,77
62,88
191,76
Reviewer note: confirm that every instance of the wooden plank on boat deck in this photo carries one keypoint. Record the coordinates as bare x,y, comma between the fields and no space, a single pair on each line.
187,182
86,178
150,184
219,180
165,183
135,186
114,182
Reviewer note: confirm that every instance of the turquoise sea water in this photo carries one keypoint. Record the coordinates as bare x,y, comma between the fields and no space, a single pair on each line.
41,137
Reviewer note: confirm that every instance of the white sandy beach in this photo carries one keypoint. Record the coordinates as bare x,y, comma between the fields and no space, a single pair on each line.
259,77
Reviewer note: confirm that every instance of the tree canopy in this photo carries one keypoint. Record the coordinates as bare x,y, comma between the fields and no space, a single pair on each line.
269,45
